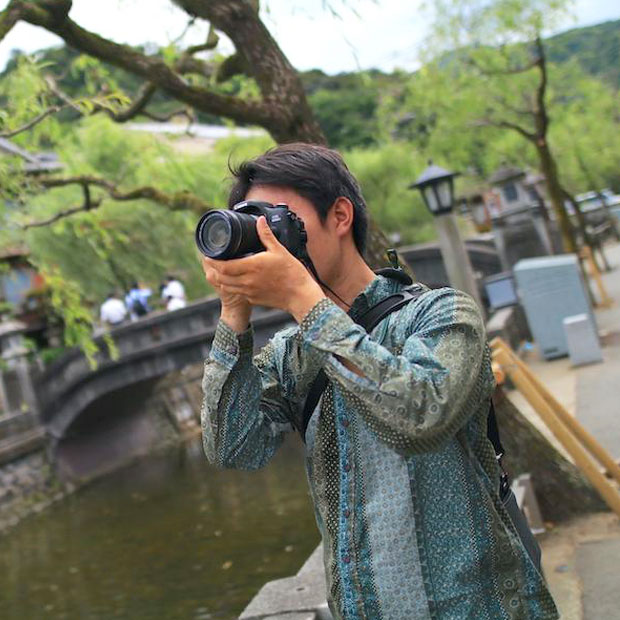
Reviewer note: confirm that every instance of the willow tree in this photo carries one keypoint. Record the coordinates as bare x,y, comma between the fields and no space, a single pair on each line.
186,75
497,45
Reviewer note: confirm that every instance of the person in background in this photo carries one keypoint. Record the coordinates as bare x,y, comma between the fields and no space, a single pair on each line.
113,311
173,288
174,303
137,301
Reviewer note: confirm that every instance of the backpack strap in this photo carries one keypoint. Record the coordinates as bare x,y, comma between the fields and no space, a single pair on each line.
368,320
493,436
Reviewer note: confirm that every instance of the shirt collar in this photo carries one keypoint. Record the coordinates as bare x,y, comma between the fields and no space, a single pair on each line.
377,289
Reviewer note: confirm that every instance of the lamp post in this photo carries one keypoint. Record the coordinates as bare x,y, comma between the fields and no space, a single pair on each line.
437,188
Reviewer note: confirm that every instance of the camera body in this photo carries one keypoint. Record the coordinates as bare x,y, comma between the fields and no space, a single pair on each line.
224,234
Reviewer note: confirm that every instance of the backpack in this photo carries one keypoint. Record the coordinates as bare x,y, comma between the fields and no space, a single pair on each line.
138,307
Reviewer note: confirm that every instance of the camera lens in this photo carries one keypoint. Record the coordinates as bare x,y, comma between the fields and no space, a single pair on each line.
216,234
224,234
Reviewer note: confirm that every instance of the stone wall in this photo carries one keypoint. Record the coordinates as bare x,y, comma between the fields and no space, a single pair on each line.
27,485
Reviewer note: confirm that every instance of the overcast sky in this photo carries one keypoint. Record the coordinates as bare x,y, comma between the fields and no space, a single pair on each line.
380,33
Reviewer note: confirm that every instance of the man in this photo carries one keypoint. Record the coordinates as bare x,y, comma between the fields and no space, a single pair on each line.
112,311
403,478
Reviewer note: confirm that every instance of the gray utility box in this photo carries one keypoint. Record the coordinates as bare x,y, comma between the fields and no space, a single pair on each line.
583,342
551,288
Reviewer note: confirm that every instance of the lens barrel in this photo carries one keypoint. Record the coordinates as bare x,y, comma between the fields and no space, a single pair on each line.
226,234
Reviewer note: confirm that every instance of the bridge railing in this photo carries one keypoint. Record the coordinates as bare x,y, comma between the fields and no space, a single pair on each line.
149,347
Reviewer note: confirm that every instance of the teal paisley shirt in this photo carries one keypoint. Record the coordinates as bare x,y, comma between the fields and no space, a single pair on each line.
403,478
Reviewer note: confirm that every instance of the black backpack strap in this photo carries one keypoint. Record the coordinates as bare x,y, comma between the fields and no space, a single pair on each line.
493,435
368,320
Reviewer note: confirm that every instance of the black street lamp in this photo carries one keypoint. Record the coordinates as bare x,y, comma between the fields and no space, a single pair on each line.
436,184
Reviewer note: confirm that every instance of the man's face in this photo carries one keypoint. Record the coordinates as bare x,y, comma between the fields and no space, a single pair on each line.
322,243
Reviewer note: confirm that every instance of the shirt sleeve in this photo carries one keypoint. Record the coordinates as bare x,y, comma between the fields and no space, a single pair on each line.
245,410
416,399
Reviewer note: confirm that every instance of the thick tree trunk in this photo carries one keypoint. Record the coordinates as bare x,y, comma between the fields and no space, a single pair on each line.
291,118
561,489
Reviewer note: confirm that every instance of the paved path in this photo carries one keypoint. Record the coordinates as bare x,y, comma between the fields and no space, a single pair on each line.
598,409
597,565
598,385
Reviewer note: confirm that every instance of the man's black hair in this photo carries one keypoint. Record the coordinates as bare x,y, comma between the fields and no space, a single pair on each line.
315,172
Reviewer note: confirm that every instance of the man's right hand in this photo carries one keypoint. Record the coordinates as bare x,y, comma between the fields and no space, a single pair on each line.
236,309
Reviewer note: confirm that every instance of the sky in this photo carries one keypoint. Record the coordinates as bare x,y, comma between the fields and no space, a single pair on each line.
383,34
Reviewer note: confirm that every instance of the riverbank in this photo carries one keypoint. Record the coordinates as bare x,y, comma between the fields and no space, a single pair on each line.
35,481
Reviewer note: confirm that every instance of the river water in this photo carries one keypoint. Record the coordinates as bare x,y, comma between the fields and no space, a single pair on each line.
167,537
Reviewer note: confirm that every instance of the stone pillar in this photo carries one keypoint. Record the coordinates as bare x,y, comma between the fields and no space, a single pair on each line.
455,257
499,237
540,225
13,353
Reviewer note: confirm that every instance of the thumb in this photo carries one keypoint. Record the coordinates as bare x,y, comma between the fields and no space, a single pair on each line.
265,234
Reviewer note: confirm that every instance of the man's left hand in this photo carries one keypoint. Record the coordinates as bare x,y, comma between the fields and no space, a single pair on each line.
273,278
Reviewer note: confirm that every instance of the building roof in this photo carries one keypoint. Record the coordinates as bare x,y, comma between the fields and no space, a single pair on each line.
505,173
14,251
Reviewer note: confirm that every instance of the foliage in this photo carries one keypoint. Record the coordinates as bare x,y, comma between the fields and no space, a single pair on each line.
345,106
384,174
123,242
67,299
440,108
586,129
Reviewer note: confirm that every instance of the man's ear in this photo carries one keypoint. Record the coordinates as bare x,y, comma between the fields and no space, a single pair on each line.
342,216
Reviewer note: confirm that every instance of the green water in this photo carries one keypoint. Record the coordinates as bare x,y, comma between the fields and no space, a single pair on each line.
168,537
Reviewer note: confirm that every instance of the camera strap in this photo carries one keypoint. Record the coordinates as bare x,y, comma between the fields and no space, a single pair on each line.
368,320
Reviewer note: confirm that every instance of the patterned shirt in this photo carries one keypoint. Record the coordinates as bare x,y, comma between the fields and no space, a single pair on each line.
402,475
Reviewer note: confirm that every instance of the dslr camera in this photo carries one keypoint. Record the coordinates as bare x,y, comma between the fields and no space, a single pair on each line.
231,233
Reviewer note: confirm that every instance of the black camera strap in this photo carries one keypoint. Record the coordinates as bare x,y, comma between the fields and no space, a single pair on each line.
369,320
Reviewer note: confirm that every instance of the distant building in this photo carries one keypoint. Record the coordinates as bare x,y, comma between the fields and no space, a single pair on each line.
18,278
511,204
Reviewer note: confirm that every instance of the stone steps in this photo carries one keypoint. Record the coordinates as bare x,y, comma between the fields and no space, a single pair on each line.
21,444
15,423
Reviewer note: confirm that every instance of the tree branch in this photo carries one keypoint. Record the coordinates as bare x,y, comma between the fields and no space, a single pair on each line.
188,64
507,71
177,201
137,106
88,205
153,69
31,123
164,118
542,120
488,122
9,17
519,111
